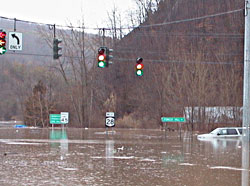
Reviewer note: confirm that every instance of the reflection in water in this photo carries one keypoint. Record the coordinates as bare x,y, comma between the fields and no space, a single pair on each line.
128,157
245,159
59,139
109,151
219,145
178,151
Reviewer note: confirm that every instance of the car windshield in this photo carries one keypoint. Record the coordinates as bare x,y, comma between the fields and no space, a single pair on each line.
215,131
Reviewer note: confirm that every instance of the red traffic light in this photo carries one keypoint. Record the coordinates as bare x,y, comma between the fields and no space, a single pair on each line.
2,35
101,51
139,66
101,54
139,60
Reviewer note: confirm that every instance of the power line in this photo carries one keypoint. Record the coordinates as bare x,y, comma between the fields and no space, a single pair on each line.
130,27
152,35
191,19
192,33
134,51
122,51
147,60
141,26
185,62
38,23
39,55
195,34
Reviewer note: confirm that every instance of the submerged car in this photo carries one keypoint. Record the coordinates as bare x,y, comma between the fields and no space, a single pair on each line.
226,132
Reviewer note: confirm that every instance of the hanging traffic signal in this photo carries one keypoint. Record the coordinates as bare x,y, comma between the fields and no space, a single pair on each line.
2,42
56,48
102,57
139,67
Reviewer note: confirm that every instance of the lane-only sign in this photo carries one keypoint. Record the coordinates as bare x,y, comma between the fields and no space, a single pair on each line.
15,41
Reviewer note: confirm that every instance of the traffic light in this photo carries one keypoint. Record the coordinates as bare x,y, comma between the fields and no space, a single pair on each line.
2,42
139,67
56,48
102,57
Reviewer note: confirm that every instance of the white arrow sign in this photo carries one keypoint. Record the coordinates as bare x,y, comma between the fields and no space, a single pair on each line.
15,41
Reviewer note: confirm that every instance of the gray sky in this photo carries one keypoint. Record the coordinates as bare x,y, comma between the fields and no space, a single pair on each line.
62,12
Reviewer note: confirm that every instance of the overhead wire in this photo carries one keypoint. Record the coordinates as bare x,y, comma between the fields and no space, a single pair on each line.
190,19
186,62
133,50
130,27
147,60
191,34
136,27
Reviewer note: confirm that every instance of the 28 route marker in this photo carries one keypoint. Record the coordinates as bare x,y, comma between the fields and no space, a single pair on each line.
110,119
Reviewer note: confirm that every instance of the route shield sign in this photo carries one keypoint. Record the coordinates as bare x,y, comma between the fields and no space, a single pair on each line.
15,41
64,117
110,119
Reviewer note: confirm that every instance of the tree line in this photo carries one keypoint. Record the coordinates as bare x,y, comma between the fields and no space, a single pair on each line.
189,65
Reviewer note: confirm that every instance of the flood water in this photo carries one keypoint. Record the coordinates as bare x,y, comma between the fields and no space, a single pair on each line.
124,157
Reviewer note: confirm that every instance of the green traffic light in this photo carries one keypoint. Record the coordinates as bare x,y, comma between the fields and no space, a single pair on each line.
139,72
2,50
101,64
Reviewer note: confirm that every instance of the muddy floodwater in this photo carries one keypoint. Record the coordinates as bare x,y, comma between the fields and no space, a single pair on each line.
122,157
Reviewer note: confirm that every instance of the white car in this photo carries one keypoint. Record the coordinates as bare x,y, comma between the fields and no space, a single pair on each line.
229,132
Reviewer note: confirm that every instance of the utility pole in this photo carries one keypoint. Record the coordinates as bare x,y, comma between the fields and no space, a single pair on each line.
246,99
246,88
103,36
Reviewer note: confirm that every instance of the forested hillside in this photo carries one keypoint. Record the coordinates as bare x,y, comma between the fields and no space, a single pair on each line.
193,57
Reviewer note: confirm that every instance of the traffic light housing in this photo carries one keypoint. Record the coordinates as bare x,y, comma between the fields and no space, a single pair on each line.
139,67
109,56
2,42
56,48
102,57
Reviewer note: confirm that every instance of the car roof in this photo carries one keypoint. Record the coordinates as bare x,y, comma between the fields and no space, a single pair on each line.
230,128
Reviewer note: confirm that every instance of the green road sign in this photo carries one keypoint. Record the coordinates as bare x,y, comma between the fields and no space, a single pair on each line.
55,118
173,119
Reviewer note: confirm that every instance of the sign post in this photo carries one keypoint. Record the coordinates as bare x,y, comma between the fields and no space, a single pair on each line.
178,120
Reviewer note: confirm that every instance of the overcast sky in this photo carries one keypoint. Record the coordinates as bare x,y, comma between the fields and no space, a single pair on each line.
62,12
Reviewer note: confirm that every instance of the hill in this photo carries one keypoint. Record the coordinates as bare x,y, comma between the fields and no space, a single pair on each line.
193,57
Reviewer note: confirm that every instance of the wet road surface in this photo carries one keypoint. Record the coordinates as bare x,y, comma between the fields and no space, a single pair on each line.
124,157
